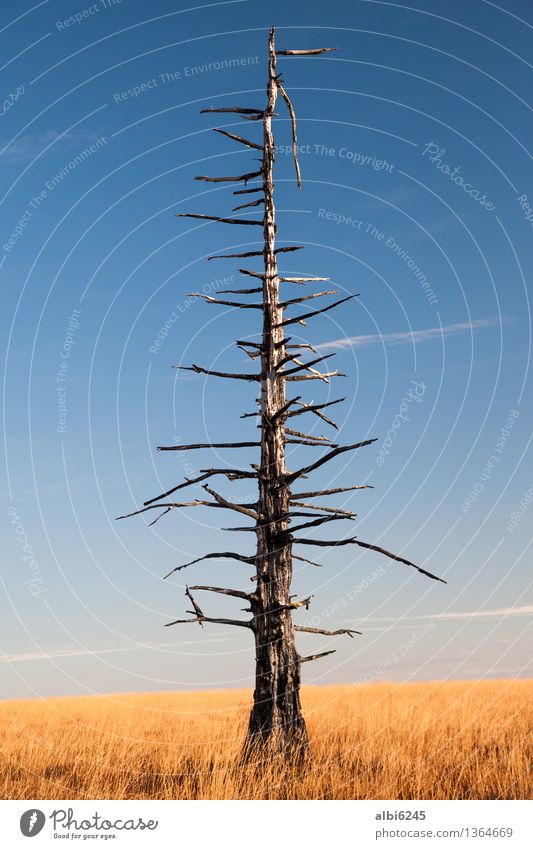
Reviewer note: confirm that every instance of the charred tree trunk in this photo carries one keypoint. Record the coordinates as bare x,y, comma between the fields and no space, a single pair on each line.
276,725
276,720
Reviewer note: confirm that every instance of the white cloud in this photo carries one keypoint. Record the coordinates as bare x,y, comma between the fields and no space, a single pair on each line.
526,610
498,613
51,655
75,652
412,336
29,146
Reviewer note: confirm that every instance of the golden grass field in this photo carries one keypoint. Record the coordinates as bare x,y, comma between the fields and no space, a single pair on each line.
441,740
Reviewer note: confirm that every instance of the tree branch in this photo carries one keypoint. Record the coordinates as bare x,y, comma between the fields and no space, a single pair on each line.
303,279
287,100
241,623
236,256
307,315
240,177
355,541
303,602
337,510
216,555
316,656
285,408
231,474
255,253
169,507
315,51
248,191
308,367
245,221
320,492
253,356
325,459
257,202
315,408
211,300
231,375
224,591
252,273
305,560
398,559
318,376
197,609
336,633
207,445
317,522
240,139
229,505
240,291
293,301
317,439
309,441
303,345
249,344
241,110
303,366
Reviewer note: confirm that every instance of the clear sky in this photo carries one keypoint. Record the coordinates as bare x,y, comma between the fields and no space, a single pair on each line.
417,179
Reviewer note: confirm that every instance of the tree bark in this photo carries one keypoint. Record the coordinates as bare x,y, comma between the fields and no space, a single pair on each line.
276,722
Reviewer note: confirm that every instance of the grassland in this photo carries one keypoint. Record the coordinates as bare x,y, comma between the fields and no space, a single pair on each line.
458,740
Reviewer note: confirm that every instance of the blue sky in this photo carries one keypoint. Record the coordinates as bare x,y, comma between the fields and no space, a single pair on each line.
417,181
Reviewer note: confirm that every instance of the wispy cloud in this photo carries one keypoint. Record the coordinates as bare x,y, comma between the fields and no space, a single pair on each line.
497,613
75,652
412,336
501,612
51,655
29,146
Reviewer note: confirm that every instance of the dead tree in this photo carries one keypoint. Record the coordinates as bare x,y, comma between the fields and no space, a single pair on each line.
276,722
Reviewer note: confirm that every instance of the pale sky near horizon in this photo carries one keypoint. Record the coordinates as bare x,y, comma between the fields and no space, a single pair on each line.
414,147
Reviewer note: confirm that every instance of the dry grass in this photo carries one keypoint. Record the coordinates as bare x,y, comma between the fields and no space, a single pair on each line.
398,741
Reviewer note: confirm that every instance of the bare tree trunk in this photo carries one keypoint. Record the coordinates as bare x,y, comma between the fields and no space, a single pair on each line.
276,720
276,724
